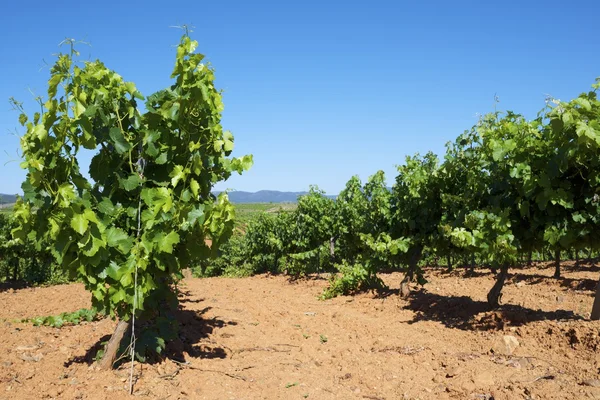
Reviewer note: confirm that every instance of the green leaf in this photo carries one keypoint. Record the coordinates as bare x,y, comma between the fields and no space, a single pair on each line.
40,132
66,194
133,181
162,159
150,139
579,218
228,141
79,223
119,141
218,145
92,247
126,280
113,271
242,164
118,296
165,243
106,207
194,186
53,84
90,215
584,103
157,199
178,173
116,237
78,108
196,216
584,129
174,112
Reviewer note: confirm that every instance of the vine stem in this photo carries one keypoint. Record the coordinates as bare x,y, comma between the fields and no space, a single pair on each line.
135,283
135,288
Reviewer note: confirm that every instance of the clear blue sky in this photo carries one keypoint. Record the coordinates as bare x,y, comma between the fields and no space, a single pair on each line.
319,90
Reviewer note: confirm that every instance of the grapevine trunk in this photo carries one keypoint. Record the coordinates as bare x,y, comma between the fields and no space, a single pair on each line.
495,293
596,307
110,355
557,264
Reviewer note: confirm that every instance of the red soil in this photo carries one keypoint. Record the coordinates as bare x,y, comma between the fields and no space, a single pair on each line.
267,338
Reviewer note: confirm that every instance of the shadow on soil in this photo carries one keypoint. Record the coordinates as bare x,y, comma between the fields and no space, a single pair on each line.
193,328
185,296
13,285
468,314
320,276
519,274
569,283
581,268
466,273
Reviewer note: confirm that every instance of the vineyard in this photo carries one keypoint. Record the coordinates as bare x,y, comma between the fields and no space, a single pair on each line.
471,275
508,192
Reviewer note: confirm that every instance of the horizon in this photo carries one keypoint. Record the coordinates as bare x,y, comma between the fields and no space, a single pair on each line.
321,92
214,191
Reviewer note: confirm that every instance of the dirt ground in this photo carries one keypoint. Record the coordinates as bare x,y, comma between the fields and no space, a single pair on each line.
268,338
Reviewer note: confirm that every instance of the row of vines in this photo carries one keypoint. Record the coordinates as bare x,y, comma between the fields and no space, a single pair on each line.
20,262
508,190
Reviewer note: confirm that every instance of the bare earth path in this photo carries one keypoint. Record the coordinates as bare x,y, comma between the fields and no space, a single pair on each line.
267,338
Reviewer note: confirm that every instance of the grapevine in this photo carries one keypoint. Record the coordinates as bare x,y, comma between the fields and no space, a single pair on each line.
146,211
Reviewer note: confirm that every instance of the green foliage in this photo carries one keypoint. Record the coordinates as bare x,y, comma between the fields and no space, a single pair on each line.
230,262
72,318
153,335
306,262
351,279
246,212
415,204
319,235
506,187
21,262
350,216
362,228
514,186
487,234
265,240
148,208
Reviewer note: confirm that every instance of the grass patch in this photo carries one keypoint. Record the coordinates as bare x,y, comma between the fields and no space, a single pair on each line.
72,318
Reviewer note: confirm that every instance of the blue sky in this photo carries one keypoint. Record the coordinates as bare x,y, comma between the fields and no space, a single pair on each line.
319,91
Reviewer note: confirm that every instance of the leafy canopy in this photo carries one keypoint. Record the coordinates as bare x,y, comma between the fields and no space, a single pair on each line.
148,208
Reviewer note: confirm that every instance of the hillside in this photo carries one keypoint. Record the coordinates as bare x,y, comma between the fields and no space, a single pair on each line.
265,196
262,196
7,199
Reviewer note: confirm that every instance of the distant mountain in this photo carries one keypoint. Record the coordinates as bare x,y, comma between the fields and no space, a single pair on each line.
265,196
262,196
7,198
